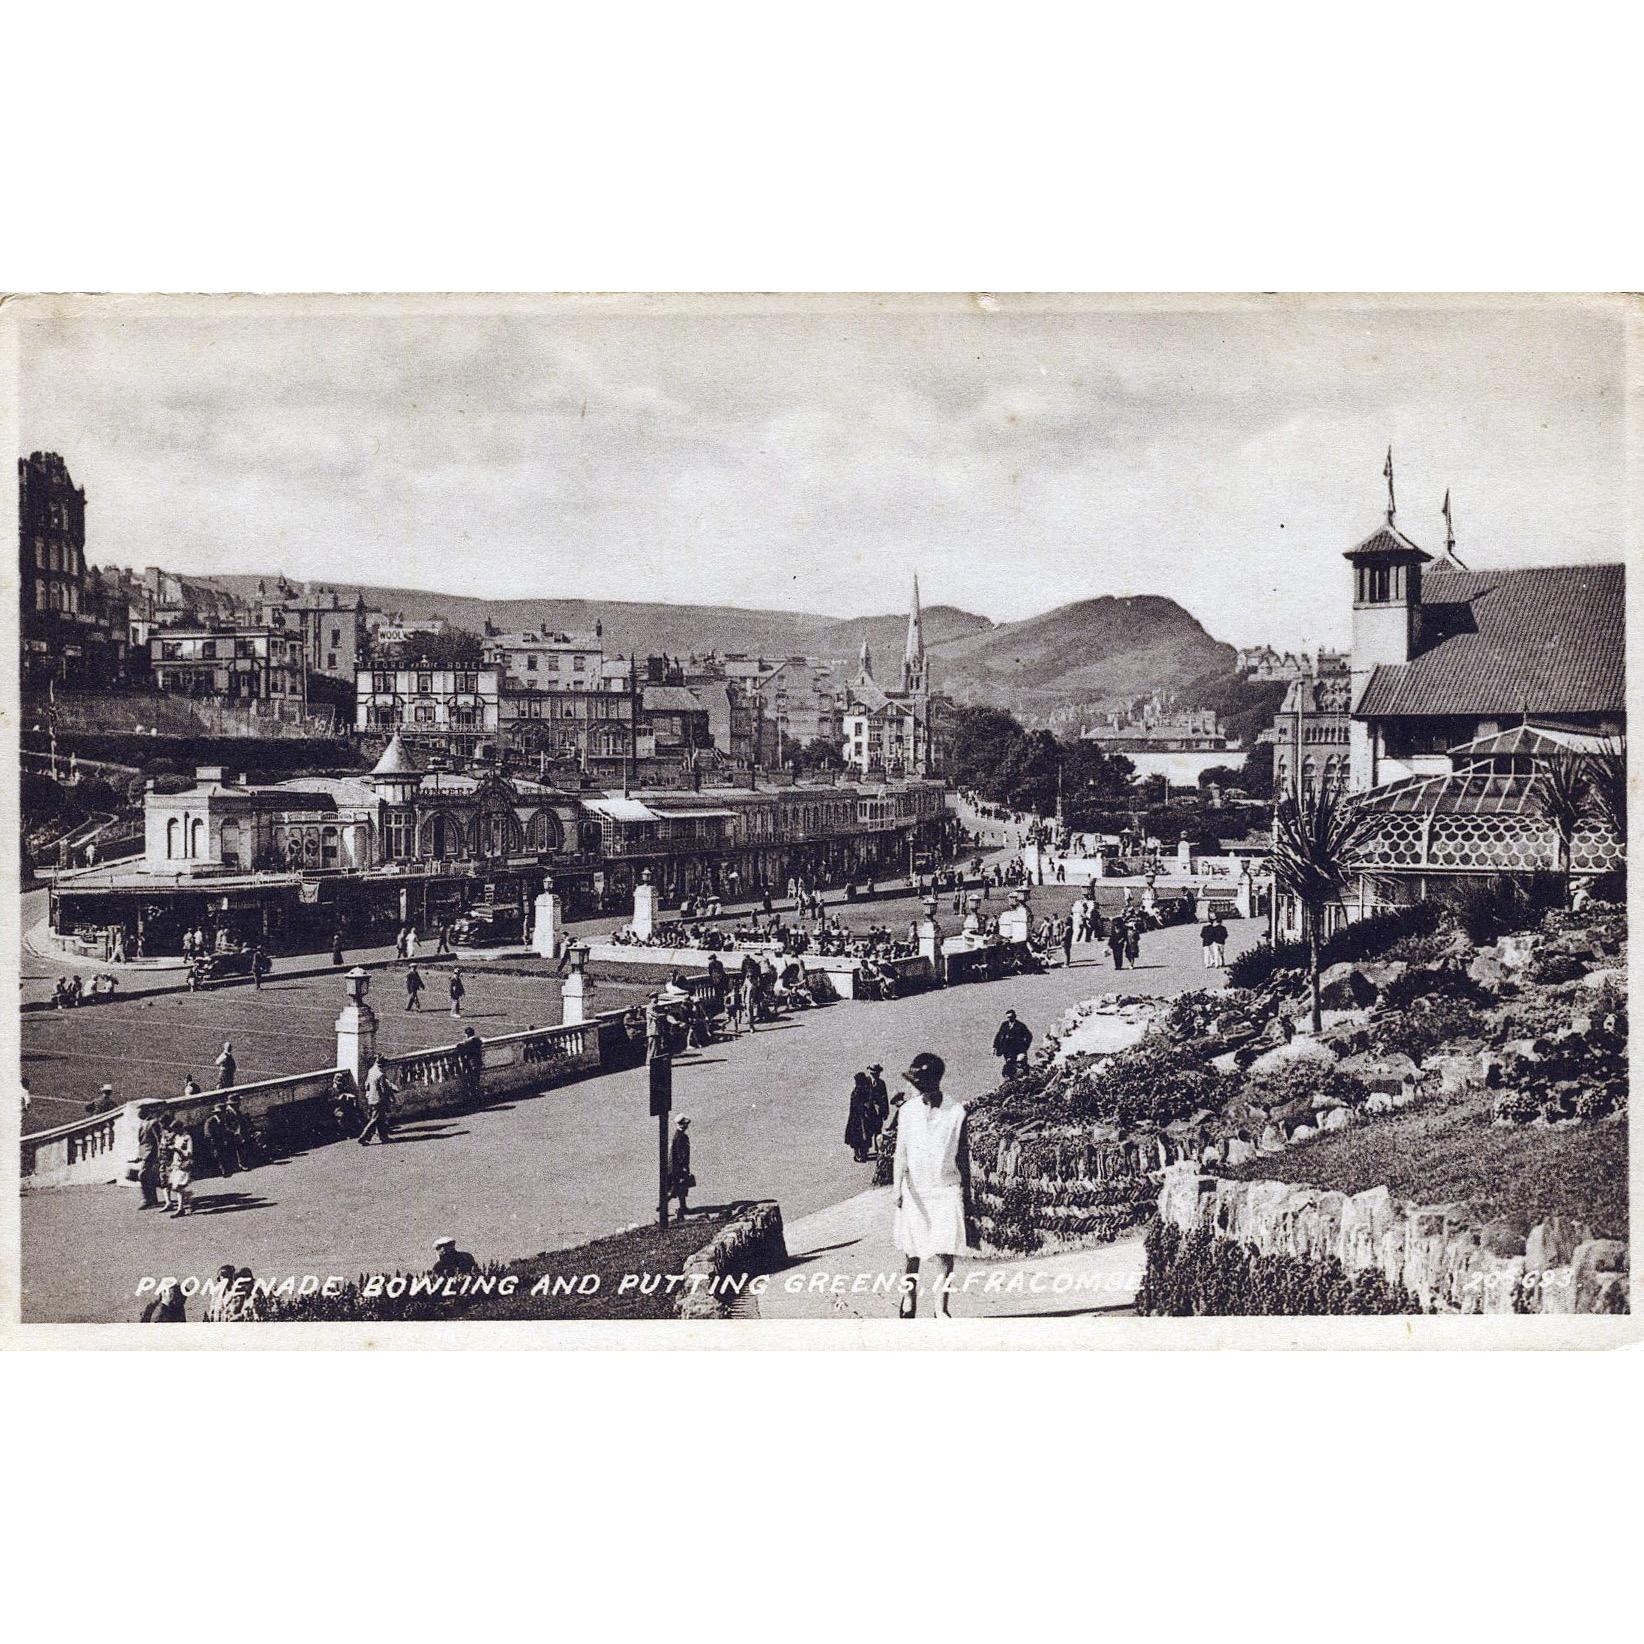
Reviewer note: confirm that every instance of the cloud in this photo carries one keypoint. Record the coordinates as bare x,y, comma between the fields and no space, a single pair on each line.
811,454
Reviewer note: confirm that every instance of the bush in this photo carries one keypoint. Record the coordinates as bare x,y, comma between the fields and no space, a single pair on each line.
1148,1082
1509,902
1319,1084
1371,937
1431,1023
1416,986
1367,938
1199,1275
1256,966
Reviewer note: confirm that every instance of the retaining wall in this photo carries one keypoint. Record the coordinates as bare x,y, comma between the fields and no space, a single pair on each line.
751,1242
1443,1254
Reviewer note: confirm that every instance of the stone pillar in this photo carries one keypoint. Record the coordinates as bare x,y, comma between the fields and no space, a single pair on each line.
644,920
357,1030
1013,922
1184,856
545,933
1243,897
573,995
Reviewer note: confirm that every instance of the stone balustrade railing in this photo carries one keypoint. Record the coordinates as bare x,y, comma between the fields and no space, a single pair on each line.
102,1147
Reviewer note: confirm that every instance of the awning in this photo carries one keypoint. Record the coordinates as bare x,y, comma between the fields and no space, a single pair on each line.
669,815
622,810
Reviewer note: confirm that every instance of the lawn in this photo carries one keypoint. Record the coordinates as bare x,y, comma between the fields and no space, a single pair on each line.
649,1252
1438,1153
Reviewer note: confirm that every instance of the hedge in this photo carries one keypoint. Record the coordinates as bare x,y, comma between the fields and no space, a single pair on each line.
1199,1274
1361,939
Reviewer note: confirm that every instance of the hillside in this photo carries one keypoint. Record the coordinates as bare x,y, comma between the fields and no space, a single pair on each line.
1092,652
676,629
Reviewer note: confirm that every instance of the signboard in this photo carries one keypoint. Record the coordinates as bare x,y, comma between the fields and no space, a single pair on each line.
310,890
662,1087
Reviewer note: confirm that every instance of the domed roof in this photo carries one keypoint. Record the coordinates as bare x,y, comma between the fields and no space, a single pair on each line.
397,760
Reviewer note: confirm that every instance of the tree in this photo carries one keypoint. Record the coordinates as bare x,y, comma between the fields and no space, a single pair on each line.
1608,769
1563,794
1318,841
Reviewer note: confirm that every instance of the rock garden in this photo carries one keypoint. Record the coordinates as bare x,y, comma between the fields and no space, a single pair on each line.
1457,1060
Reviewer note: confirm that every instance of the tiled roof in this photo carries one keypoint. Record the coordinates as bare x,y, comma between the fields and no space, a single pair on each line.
1386,539
1546,641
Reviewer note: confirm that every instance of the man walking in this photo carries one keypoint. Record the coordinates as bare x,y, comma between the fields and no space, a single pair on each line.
1207,940
379,1095
1116,941
413,989
457,991
337,948
931,1179
1218,946
261,964
150,1133
1067,940
226,1066
1011,1044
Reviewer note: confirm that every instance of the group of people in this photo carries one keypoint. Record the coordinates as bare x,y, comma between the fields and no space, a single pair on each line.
416,985
70,991
870,1106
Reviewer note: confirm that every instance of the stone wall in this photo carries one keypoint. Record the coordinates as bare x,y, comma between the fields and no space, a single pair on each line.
751,1242
1451,1260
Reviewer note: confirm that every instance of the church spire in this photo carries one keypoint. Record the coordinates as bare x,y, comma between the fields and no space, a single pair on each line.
864,672
914,672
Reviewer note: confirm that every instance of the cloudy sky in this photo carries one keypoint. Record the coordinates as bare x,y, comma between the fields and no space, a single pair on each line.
809,454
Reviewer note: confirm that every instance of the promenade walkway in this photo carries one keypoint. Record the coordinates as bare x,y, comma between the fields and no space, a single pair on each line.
538,1173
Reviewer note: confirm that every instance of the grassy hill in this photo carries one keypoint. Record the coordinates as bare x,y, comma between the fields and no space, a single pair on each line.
653,627
1090,652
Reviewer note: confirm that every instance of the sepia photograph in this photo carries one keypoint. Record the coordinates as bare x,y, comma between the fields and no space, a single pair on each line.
704,815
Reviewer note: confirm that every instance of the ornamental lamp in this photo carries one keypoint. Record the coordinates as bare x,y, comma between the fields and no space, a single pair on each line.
359,984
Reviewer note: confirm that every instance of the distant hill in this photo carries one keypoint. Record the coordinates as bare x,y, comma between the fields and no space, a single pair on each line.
1092,652
676,629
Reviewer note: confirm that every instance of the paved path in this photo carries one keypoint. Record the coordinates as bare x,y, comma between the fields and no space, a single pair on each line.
543,1172
844,1265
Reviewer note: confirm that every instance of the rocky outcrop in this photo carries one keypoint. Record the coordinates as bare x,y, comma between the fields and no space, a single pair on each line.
1448,1257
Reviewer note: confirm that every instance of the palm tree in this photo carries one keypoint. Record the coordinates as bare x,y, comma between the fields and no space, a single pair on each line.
1608,769
1319,837
1562,795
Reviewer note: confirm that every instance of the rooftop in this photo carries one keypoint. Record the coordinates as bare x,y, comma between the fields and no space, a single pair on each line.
1545,641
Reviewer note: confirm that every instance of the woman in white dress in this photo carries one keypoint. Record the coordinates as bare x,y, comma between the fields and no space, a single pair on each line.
931,1181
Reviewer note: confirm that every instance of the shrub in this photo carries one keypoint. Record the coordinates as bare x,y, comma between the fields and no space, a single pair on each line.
1199,1275
1314,1082
1148,1082
1430,1024
1419,950
1257,965
1490,908
1371,937
1416,986
1367,938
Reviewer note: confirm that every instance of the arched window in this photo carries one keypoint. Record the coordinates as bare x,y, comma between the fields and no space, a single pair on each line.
1309,775
197,836
174,838
546,833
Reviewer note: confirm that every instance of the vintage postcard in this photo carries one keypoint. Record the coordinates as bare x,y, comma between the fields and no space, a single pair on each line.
858,821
